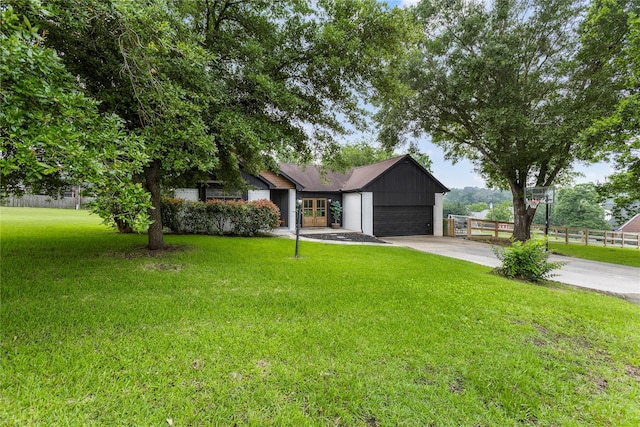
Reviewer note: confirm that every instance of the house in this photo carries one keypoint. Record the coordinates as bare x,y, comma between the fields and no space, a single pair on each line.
395,197
631,226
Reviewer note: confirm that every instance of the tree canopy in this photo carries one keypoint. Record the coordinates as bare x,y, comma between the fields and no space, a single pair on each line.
478,206
470,195
499,83
611,36
362,154
578,207
209,85
502,211
453,208
52,135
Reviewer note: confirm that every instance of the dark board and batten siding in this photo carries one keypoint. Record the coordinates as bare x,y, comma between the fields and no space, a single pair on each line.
254,182
404,184
403,200
281,200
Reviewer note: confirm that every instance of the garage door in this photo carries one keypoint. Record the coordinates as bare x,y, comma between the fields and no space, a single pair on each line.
402,220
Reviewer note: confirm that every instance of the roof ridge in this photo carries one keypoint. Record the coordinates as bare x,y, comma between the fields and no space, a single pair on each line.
381,161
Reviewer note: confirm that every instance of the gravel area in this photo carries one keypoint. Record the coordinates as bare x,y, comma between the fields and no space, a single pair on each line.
344,237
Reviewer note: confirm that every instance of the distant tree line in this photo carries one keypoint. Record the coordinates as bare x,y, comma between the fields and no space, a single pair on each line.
578,206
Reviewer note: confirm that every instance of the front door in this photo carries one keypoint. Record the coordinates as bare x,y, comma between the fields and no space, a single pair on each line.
314,212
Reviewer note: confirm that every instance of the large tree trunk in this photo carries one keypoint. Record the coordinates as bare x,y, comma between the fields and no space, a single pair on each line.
522,218
152,178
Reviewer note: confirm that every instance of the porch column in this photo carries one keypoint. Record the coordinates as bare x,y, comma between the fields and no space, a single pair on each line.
291,220
367,213
438,216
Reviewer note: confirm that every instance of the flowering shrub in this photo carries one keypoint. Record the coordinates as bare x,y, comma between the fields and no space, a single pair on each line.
232,217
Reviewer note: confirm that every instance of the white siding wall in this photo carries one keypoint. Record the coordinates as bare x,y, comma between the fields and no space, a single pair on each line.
190,194
352,213
367,213
258,195
437,216
292,210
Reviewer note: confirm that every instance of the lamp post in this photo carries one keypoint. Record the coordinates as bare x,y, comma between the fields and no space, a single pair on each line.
546,221
298,223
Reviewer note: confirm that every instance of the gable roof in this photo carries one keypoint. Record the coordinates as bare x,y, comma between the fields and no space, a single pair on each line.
277,181
633,225
315,178
363,175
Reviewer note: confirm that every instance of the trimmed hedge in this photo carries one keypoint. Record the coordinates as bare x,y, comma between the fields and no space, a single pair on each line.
238,218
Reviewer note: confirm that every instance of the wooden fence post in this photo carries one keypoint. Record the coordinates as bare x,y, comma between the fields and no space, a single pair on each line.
566,235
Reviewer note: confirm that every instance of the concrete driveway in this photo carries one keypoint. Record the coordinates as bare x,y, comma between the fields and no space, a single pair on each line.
611,278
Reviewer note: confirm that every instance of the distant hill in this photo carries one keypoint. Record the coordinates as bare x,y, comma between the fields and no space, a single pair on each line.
471,195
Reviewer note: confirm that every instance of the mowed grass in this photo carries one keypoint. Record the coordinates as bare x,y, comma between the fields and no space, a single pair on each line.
613,255
230,331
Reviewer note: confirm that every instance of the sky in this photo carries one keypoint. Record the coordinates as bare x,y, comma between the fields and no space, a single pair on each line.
402,3
462,175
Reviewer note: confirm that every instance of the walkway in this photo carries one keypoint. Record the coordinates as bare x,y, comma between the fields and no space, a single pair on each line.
605,277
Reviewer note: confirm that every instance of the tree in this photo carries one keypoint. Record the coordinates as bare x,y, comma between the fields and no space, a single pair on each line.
51,134
478,206
578,207
453,208
208,85
362,154
611,37
422,158
354,155
502,211
499,84
471,195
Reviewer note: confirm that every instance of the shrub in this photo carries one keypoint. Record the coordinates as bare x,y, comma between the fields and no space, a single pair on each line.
169,209
527,261
264,215
218,212
219,216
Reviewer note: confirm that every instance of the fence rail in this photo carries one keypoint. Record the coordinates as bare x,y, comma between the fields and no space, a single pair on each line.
585,236
480,228
38,201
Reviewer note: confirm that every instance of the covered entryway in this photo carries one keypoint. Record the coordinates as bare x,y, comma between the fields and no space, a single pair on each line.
314,212
402,220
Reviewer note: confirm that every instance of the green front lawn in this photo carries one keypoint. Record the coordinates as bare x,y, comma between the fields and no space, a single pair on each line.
233,331
613,255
